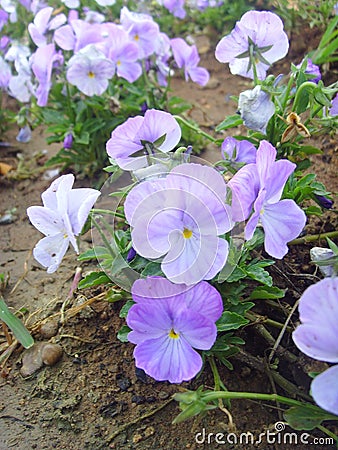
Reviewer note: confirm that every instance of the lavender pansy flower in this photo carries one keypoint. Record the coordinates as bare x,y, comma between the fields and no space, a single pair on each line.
179,218
43,61
142,133
238,151
256,108
90,71
333,111
25,134
258,37
78,34
5,73
168,322
142,29
175,7
3,18
186,56
118,47
312,70
42,24
60,219
282,220
317,337
261,185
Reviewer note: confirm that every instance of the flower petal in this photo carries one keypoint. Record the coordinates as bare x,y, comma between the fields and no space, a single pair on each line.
324,390
46,220
50,250
166,359
282,222
317,336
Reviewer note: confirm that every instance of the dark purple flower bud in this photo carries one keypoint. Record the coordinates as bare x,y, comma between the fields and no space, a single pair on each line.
144,107
68,141
131,254
323,201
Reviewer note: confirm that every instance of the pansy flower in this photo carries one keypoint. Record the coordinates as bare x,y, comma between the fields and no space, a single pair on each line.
257,38
317,337
168,323
60,219
156,131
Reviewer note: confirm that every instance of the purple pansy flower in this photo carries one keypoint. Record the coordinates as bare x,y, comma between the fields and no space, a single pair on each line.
90,71
142,29
333,111
261,185
256,108
259,33
118,47
42,24
60,219
43,61
186,56
168,321
179,218
238,151
25,134
317,337
5,73
136,132
175,7
78,35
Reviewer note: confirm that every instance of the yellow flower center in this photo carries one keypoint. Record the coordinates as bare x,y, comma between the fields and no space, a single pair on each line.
137,37
187,233
91,74
173,334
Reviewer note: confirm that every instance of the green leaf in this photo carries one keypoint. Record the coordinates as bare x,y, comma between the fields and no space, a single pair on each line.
94,253
125,308
259,274
306,417
229,122
17,327
152,269
267,292
123,332
94,279
236,275
313,210
230,321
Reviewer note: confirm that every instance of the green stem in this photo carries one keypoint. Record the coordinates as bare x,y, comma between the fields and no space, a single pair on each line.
287,93
107,211
103,237
215,373
307,85
195,128
313,238
215,395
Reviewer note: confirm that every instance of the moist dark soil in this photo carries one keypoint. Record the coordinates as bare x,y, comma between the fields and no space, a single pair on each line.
94,398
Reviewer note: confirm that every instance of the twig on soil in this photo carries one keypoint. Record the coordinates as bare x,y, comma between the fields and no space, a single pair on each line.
25,266
138,419
281,334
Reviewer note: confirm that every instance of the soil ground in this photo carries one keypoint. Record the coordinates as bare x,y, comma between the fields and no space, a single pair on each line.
94,398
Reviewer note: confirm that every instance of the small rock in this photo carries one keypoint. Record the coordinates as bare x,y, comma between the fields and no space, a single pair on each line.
40,353
49,329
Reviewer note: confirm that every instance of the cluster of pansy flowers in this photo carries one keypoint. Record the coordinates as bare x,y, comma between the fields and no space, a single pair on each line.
89,52
182,217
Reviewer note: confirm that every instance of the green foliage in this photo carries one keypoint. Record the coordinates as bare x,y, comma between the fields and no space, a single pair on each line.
16,326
